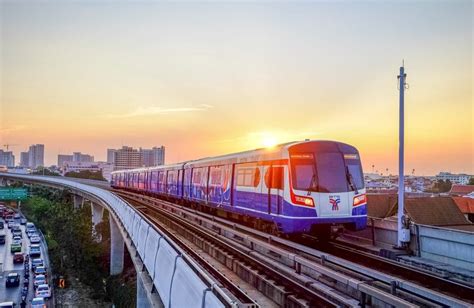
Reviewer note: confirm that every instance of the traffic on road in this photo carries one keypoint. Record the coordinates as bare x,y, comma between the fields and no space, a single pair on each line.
25,278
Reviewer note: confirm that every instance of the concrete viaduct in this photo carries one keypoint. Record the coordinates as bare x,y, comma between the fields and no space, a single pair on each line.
166,275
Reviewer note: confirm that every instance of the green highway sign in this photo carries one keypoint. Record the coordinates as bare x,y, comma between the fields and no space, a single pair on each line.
7,193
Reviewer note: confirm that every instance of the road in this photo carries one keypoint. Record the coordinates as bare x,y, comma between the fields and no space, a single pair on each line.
6,260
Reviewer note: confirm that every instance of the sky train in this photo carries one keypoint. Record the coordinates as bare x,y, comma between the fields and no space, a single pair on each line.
292,188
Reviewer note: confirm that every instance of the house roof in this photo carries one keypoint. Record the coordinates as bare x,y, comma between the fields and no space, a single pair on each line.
465,205
435,211
378,205
458,189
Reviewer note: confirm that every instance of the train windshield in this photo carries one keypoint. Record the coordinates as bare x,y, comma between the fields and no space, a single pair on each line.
326,172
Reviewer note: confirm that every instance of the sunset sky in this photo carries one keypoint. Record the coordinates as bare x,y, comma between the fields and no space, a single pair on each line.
213,78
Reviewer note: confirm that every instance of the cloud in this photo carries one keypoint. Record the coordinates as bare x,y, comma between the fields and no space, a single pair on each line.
6,130
155,110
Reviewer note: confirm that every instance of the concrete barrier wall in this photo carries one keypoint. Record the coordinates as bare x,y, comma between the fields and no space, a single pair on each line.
453,247
179,281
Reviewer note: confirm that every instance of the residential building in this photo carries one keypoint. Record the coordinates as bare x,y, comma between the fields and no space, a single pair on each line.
462,178
153,157
103,167
62,159
36,156
461,190
111,155
128,158
82,158
7,158
24,159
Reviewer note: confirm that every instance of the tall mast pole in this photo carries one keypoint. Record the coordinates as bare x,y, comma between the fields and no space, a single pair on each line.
403,231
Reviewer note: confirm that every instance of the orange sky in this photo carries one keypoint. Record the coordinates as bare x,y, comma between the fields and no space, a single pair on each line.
206,79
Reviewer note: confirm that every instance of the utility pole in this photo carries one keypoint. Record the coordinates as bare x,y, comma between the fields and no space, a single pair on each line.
403,228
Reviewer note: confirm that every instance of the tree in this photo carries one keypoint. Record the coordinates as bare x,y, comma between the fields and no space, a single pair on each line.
44,171
86,174
442,186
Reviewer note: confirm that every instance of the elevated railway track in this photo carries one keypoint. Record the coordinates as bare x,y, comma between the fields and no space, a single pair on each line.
296,274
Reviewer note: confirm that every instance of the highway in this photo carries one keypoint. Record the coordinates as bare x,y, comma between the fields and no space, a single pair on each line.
7,266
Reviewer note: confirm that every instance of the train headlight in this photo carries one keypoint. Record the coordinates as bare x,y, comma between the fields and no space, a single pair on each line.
361,199
304,201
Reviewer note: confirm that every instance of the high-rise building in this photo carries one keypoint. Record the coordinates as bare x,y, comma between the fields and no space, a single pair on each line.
36,156
78,157
7,158
24,159
127,158
111,155
62,159
153,157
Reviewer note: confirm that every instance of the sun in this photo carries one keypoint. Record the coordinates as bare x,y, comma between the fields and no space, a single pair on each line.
269,141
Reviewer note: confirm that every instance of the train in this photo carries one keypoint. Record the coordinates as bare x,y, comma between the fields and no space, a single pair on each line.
303,187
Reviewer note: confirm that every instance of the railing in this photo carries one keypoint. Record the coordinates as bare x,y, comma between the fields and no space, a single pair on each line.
176,277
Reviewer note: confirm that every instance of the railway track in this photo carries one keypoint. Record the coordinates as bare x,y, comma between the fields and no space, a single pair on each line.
283,290
287,272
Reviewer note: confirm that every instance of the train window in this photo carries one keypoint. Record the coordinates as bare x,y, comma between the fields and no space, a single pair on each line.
171,177
274,177
197,176
248,176
161,177
216,173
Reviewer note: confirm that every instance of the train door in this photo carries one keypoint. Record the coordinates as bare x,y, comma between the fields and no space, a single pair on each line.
180,182
274,184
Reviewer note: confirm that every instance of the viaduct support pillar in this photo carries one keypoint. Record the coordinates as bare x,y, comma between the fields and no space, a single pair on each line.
97,215
116,248
78,202
142,296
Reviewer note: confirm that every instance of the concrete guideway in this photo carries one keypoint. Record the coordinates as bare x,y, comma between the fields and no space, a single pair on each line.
347,277
166,276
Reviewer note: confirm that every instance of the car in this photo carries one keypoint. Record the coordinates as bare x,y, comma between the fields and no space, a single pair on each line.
40,270
12,280
2,237
9,304
16,238
17,242
15,248
35,250
18,257
16,216
36,262
23,221
35,239
38,302
31,233
39,279
10,223
30,226
43,290
16,229
2,225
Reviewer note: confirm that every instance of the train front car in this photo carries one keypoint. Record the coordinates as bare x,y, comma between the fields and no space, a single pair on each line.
326,183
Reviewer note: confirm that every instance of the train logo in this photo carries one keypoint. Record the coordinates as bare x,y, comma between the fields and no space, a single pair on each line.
334,201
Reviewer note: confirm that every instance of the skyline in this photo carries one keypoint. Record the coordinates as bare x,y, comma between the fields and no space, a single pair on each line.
205,79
